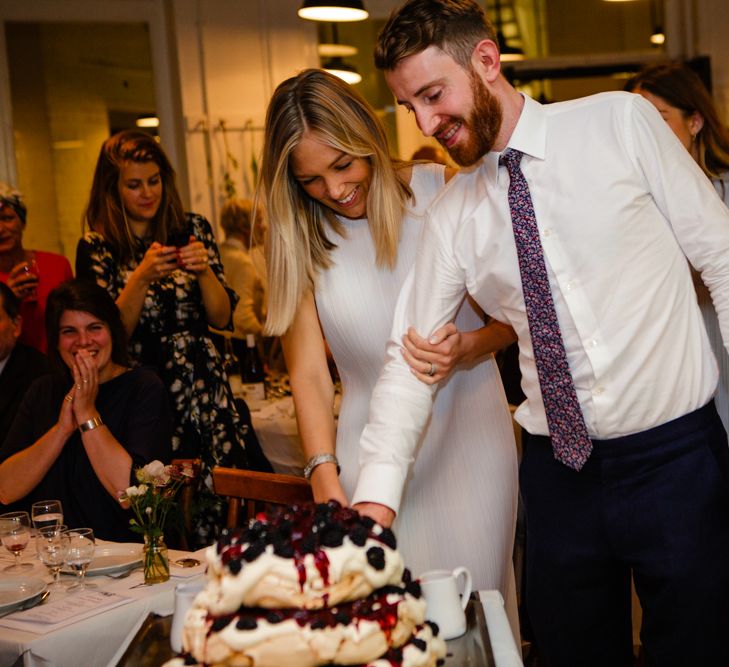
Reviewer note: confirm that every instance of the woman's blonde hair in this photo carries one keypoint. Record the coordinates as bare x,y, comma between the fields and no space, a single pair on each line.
298,246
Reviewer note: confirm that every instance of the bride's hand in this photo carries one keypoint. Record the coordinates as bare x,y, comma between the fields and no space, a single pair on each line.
325,485
433,360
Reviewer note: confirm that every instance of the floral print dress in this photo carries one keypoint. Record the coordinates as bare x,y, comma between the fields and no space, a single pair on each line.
172,336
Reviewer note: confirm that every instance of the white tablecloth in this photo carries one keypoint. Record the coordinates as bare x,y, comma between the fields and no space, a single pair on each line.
102,639
274,422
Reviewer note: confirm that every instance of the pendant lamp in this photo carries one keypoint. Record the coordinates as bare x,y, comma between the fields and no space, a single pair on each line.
344,71
333,10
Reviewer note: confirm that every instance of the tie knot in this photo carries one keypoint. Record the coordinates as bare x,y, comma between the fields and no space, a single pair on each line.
511,158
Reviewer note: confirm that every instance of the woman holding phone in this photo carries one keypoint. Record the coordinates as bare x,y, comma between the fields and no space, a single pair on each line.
163,268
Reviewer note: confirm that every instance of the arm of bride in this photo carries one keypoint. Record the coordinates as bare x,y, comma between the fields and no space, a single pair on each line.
313,391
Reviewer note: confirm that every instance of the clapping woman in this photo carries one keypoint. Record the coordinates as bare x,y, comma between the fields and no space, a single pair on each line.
80,433
162,267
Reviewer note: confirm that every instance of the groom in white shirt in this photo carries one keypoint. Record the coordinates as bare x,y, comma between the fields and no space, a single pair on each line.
626,465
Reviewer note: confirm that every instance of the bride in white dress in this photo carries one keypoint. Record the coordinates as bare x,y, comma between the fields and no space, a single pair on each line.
344,227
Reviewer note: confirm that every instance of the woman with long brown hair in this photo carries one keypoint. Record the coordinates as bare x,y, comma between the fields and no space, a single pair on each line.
162,267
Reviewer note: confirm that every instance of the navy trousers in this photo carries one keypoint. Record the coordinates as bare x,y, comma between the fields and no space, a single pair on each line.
654,504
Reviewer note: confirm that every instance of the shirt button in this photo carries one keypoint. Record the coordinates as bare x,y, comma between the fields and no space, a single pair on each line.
598,390
568,287
547,232
593,342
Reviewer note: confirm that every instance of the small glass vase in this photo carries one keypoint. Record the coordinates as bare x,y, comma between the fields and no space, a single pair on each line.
156,561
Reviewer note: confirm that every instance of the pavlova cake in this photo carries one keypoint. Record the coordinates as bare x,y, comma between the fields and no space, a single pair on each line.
309,585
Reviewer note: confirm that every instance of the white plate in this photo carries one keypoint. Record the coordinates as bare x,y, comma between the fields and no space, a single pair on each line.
16,590
112,559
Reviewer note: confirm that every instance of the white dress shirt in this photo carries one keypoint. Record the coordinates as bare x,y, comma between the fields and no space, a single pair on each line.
620,204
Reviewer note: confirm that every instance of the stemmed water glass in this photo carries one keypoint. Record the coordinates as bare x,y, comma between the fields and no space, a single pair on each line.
80,551
51,545
15,535
46,513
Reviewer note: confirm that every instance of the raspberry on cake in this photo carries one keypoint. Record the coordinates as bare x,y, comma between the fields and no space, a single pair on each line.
306,586
307,556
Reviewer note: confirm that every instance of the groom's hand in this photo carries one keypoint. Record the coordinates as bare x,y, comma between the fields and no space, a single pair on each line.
380,513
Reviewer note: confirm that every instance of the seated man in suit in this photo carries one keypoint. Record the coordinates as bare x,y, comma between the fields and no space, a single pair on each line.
19,363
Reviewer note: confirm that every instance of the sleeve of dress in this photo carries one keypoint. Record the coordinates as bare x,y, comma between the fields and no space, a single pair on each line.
202,231
95,262
148,432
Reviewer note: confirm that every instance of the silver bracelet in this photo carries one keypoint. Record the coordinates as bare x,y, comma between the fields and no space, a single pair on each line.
91,424
317,460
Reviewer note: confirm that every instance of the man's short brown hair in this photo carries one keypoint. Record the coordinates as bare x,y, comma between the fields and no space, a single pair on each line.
454,26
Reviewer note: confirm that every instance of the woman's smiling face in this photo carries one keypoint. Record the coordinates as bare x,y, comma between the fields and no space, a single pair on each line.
335,179
79,330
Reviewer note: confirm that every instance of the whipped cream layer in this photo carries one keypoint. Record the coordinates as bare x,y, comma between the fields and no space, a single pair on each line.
354,633
305,557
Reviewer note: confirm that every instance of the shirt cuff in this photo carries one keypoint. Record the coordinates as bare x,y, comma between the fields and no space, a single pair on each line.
381,483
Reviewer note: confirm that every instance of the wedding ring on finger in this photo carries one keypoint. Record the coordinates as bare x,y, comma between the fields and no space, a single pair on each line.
68,397
432,370
85,380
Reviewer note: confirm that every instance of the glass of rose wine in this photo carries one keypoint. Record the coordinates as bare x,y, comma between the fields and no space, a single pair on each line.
46,513
15,535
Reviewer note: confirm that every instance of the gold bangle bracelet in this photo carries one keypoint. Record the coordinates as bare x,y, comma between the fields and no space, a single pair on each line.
91,424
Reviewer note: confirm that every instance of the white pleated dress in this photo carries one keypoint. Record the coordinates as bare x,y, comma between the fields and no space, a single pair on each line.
459,506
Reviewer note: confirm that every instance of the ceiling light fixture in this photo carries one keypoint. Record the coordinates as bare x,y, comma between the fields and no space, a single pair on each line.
338,67
336,50
147,121
658,37
331,10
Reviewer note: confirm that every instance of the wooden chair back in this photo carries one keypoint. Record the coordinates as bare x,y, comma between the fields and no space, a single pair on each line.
255,490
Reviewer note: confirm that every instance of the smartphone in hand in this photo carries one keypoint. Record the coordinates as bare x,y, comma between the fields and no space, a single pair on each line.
178,239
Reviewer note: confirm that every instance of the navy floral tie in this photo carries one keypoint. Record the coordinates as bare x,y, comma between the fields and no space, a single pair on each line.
567,430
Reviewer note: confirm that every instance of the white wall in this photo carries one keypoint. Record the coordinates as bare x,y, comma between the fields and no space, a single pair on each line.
232,54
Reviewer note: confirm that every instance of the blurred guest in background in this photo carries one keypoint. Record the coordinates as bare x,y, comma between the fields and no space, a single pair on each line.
31,274
19,364
686,105
431,154
345,219
162,267
237,221
80,433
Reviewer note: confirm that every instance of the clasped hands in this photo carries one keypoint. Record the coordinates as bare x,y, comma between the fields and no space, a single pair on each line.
79,404
161,260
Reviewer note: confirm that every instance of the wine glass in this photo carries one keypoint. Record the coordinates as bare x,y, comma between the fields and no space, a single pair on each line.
79,553
46,513
15,535
51,545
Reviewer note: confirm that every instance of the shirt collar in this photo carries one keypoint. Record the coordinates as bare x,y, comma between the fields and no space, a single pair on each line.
529,135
